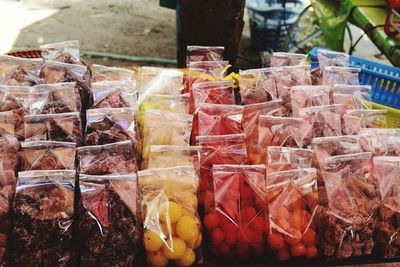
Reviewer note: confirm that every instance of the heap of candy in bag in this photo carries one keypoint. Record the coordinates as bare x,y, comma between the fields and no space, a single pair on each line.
277,163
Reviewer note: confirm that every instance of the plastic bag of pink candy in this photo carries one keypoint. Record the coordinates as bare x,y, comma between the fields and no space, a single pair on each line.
380,142
279,59
332,58
355,120
20,71
220,119
352,96
308,96
340,75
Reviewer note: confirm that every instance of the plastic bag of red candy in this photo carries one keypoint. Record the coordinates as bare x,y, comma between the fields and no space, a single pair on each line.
279,59
380,142
288,158
102,73
219,119
308,96
352,96
340,75
67,52
236,223
20,71
292,205
204,53
355,120
114,94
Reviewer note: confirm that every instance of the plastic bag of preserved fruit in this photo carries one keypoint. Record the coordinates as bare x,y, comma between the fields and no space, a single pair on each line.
387,229
348,221
352,96
63,127
116,158
205,71
111,125
218,149
380,142
355,120
204,53
60,98
280,59
332,58
289,158
20,71
47,155
308,96
172,227
114,94
251,115
174,103
215,119
102,73
43,215
340,75
236,223
9,147
109,223
67,52
257,86
293,204
8,123
166,156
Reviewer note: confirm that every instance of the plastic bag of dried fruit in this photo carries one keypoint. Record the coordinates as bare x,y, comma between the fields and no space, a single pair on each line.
216,119
102,73
355,120
114,94
165,156
64,127
108,220
9,123
340,75
279,59
348,221
380,142
308,96
174,103
116,158
205,71
257,86
67,52
111,125
43,213
9,147
218,149
47,155
204,53
387,229
332,58
293,204
352,96
172,227
289,158
236,223
20,71
60,98
251,115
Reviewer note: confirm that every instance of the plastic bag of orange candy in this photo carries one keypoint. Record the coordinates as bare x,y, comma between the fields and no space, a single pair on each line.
236,223
292,204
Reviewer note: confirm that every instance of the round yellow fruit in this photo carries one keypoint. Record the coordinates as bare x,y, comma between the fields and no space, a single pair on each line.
152,240
168,232
174,249
186,228
170,210
187,259
157,259
186,212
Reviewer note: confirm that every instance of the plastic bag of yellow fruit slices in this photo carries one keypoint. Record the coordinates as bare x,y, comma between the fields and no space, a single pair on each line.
171,223
162,127
173,156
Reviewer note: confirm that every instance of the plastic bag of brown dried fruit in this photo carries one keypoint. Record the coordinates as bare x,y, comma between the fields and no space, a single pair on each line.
279,59
348,221
289,158
111,125
63,127
20,71
9,122
293,204
102,73
216,119
67,52
236,223
60,98
116,158
108,220
43,213
380,142
47,155
352,96
257,86
251,115
205,71
355,120
340,75
114,94
172,226
204,53
9,147
166,156
387,229
308,96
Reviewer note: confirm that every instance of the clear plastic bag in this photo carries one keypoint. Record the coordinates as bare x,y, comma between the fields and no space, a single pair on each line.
308,96
289,158
47,155
174,103
355,120
251,122
280,59
114,94
205,71
293,204
236,223
348,221
204,53
63,127
172,226
387,229
380,142
340,75
111,125
166,156
220,119
66,52
217,92
116,158
9,147
332,58
43,215
352,96
8,123
102,73
20,71
108,220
